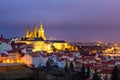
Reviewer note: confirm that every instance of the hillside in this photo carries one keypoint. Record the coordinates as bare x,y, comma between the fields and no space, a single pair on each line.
14,72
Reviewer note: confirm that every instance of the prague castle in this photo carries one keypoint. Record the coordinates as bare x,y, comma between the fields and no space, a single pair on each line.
38,40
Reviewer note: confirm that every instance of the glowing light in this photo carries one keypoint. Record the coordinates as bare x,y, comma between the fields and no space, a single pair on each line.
18,61
8,61
13,61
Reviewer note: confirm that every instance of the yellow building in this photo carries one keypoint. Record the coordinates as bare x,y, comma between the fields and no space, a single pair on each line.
35,33
38,40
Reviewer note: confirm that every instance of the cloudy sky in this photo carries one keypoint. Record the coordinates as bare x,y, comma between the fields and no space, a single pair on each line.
72,20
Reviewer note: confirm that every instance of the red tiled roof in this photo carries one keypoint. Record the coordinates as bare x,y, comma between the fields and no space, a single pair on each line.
77,67
3,40
64,59
35,54
106,71
12,51
108,62
19,43
70,55
118,66
60,55
44,55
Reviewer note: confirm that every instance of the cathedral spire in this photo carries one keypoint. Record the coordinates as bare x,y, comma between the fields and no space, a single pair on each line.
41,32
28,28
41,27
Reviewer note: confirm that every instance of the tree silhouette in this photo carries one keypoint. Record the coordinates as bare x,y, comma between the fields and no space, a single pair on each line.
83,72
115,74
71,66
88,72
106,77
66,66
48,64
56,65
95,75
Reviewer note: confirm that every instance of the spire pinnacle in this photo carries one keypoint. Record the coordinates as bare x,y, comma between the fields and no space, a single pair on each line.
41,27
28,28
35,27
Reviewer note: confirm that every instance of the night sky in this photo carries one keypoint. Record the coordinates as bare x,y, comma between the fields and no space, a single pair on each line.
71,20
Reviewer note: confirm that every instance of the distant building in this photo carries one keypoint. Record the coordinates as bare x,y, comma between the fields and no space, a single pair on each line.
38,40
32,59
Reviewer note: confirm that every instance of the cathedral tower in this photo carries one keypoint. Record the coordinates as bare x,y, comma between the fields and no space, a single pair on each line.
41,32
28,32
34,32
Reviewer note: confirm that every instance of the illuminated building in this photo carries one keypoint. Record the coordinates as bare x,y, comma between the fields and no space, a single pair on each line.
37,39
36,33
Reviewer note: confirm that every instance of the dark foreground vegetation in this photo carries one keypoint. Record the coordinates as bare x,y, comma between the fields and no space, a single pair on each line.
26,73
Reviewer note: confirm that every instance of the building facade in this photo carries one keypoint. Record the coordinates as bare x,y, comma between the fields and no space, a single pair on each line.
39,42
36,33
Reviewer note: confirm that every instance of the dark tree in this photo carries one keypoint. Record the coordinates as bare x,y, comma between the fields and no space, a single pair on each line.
71,66
106,77
56,65
115,74
83,72
88,72
66,66
35,74
95,75
78,76
48,64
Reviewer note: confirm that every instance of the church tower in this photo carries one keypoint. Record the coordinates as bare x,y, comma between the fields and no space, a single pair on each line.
34,32
27,32
41,32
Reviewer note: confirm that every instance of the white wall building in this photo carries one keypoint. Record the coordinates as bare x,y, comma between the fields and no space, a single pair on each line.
32,59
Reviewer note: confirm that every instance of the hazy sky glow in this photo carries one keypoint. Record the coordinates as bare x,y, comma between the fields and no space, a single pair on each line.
73,20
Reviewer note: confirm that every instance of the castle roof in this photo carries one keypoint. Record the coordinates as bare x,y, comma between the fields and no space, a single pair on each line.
32,39
56,41
35,54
